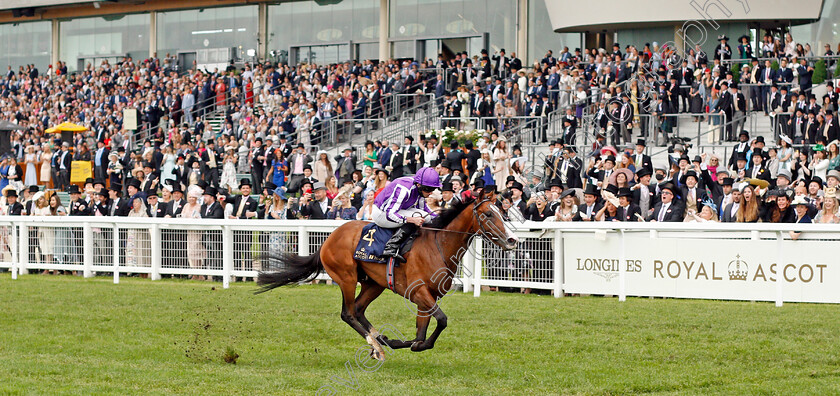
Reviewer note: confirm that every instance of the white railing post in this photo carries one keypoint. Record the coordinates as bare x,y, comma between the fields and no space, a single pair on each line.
780,265
23,249
87,250
227,255
13,249
467,270
303,241
622,262
116,247
157,248
479,266
558,263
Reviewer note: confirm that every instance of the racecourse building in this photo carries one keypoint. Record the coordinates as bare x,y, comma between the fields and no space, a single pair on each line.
328,31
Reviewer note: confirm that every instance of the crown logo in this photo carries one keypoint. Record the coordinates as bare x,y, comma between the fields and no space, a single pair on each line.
738,269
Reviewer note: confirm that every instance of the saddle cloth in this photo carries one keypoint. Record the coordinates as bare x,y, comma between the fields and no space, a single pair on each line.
372,243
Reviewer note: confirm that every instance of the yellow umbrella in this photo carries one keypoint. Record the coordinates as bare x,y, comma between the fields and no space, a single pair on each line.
66,127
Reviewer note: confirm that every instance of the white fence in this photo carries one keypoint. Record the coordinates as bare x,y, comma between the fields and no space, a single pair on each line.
683,260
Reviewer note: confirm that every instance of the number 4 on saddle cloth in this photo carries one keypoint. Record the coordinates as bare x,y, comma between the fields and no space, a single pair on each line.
373,242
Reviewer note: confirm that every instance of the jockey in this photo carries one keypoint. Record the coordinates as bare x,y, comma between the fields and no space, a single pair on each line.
402,204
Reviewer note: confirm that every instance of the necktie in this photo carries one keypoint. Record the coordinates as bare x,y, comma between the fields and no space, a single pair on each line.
242,201
662,212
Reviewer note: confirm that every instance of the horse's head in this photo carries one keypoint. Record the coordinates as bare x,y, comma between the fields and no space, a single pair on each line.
490,222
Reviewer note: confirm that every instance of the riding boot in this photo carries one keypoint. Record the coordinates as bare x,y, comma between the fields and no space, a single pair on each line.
402,235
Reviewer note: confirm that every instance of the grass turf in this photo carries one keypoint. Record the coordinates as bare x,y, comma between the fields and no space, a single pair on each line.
65,335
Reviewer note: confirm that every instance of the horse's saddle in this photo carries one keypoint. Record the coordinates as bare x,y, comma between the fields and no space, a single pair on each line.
373,242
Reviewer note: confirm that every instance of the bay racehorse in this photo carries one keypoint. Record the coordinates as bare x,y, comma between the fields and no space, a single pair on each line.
424,278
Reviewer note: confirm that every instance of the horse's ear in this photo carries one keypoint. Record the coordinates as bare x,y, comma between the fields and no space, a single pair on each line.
488,192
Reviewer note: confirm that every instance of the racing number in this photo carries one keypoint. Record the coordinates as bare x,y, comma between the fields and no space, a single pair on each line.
369,236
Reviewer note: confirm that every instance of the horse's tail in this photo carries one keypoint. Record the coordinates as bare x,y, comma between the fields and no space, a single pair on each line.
292,269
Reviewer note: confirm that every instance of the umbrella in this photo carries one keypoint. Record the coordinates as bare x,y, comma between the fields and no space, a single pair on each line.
66,127
5,140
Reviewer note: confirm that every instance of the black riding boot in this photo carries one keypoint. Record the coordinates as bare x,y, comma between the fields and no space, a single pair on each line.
403,234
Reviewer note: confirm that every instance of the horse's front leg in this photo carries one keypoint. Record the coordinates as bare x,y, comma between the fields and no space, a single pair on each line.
426,308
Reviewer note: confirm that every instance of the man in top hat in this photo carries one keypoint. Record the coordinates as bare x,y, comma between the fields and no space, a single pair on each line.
212,161
668,208
742,147
257,156
13,207
692,192
757,169
150,183
602,170
644,195
297,163
570,169
516,197
244,205
78,206
118,205
449,196
133,188
640,159
591,203
317,206
211,209
176,204
627,210
63,162
739,109
345,165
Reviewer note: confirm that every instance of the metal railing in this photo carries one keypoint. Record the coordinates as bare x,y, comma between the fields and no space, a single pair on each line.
634,259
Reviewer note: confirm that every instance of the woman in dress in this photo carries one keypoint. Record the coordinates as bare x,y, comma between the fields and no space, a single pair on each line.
138,246
31,159
370,157
486,169
4,172
228,179
568,209
500,161
323,166
819,164
785,152
278,210
431,153
279,169
61,244
46,235
168,167
332,187
748,211
46,167
381,181
115,169
15,174
195,248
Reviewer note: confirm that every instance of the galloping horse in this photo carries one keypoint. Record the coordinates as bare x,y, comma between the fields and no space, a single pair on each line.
436,251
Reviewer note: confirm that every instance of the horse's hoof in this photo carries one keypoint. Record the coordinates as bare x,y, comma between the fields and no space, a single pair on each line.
416,346
380,356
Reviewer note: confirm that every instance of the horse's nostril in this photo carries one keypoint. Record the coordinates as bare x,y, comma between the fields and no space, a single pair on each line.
512,241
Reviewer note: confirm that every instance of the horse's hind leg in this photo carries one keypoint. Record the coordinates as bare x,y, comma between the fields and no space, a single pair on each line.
348,315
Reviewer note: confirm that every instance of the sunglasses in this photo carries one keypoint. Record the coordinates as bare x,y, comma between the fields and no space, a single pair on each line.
427,189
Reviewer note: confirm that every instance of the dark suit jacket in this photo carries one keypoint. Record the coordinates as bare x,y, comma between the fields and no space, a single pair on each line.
313,211
15,209
215,212
630,213
173,209
250,206
727,216
646,162
159,212
673,214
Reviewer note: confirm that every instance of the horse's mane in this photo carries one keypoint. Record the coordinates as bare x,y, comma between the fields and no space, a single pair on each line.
448,215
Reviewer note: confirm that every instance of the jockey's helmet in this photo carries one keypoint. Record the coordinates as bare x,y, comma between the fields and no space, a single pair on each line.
427,177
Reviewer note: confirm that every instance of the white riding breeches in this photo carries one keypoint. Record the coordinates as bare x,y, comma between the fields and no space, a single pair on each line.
381,219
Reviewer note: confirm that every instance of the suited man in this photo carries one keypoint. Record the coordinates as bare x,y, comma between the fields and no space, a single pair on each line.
395,162
692,192
176,204
154,208
64,159
118,205
570,168
591,203
212,162
627,210
100,160
667,209
315,206
731,209
257,156
501,66
757,169
13,207
767,78
244,205
211,209
644,195
640,159
830,130
150,183
686,78
345,165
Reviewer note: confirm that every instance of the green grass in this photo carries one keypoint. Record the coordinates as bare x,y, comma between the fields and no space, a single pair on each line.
65,335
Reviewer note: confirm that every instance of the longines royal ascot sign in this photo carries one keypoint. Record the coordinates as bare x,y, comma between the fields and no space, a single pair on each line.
703,268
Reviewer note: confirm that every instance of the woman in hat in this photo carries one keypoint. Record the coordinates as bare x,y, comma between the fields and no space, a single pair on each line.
370,158
278,170
567,210
819,164
801,205
46,235
138,245
381,181
785,152
114,169
745,48
195,248
341,206
829,213
708,213
486,169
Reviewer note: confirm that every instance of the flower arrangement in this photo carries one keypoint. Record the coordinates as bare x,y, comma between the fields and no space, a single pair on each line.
449,134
